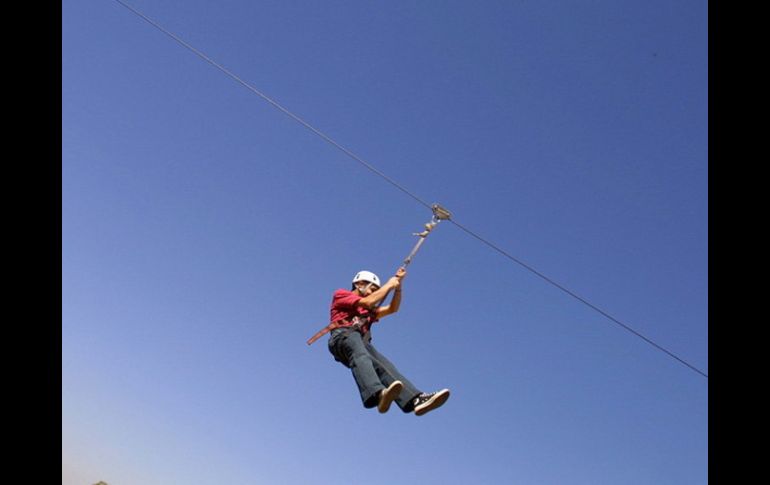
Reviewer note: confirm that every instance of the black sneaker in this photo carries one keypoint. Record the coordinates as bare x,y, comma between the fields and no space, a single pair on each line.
387,396
429,401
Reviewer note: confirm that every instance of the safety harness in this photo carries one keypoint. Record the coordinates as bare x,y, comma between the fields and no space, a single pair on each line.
354,323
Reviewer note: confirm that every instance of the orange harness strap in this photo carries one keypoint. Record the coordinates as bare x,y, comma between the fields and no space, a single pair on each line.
326,330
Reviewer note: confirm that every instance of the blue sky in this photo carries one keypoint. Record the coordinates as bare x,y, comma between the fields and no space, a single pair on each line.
203,233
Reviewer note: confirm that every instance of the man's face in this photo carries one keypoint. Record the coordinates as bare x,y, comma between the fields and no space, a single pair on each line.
367,288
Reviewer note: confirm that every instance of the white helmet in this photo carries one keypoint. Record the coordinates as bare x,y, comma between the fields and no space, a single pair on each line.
367,276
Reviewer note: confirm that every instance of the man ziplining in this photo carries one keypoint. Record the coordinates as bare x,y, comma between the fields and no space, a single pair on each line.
353,312
378,380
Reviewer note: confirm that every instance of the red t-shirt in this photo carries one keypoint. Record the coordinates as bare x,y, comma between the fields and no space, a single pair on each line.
344,307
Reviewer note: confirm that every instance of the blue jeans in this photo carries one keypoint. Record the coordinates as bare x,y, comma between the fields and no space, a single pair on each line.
372,371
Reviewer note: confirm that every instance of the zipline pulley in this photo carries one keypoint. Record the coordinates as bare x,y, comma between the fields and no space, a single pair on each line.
439,214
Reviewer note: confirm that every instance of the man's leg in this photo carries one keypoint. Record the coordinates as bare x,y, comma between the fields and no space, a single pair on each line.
356,356
388,373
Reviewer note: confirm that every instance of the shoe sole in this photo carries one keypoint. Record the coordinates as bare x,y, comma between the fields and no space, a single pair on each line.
433,403
389,394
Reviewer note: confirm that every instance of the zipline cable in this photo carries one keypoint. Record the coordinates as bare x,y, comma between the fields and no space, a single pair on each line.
399,186
274,103
580,299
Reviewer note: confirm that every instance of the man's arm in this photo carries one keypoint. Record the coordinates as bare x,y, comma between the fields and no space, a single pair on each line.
371,301
395,303
392,308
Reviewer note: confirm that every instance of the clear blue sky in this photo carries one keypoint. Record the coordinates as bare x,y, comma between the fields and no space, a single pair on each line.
204,232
